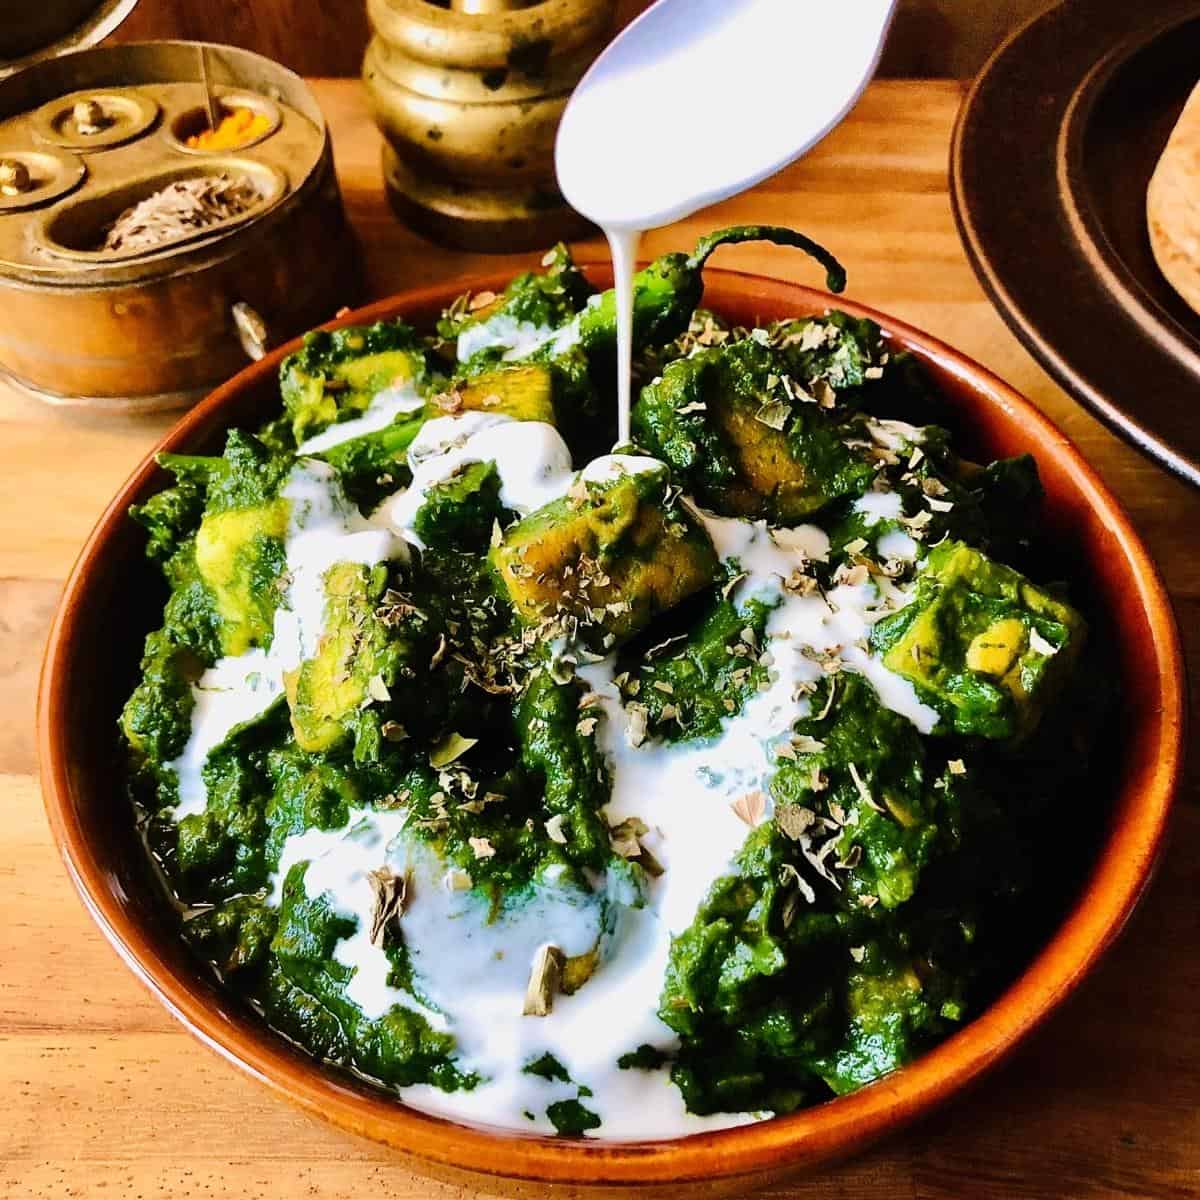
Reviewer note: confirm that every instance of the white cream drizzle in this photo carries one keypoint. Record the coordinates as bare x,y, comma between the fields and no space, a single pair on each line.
518,339
879,506
501,331
897,545
385,406
471,974
531,458
474,975
323,528
613,466
887,507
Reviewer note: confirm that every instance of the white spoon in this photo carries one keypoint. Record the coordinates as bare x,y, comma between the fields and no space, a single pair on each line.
698,100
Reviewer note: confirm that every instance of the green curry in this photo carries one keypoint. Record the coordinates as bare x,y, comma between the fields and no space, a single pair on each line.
728,760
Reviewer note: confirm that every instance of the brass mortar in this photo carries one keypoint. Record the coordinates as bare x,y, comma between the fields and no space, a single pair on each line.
469,98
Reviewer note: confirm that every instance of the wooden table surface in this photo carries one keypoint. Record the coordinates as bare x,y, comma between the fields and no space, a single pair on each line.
104,1095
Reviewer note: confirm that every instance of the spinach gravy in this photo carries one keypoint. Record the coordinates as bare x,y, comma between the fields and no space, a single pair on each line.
632,793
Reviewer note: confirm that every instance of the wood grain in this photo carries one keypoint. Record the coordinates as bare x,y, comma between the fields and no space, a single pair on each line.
324,37
930,38
313,37
107,1097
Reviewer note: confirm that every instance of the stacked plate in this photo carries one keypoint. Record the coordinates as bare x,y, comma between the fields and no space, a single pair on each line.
1053,153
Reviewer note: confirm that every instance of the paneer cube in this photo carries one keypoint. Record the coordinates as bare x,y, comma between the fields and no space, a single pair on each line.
354,663
524,392
240,555
742,441
779,475
601,562
982,644
336,374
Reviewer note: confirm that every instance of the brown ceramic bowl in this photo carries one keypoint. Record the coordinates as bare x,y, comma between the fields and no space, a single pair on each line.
111,601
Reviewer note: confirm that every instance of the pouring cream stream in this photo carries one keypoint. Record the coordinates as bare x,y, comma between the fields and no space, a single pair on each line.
696,101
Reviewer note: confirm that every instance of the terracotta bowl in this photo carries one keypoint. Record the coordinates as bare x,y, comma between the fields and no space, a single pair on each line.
113,598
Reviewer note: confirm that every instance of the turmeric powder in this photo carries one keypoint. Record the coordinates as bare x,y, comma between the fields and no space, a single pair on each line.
239,128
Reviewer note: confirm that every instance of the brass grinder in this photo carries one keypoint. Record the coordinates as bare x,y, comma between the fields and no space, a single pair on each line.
469,96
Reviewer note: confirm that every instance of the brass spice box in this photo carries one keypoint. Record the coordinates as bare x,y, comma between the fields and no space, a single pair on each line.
86,136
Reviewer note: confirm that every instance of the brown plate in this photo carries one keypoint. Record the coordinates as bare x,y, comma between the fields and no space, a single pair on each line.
1052,154
114,596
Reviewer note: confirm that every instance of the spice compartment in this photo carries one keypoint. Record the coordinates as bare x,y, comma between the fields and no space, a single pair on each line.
29,178
209,198
192,124
95,118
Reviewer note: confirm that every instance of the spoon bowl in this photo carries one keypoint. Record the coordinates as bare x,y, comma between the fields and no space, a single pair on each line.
698,100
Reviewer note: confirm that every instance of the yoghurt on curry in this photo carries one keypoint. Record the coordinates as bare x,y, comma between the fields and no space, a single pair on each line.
626,794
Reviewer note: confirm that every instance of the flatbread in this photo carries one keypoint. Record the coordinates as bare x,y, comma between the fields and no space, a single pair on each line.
1173,205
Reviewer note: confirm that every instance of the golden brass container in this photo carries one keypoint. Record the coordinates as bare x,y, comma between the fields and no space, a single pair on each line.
139,330
469,96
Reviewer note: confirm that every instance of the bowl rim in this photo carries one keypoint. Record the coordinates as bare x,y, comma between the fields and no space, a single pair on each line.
837,1127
